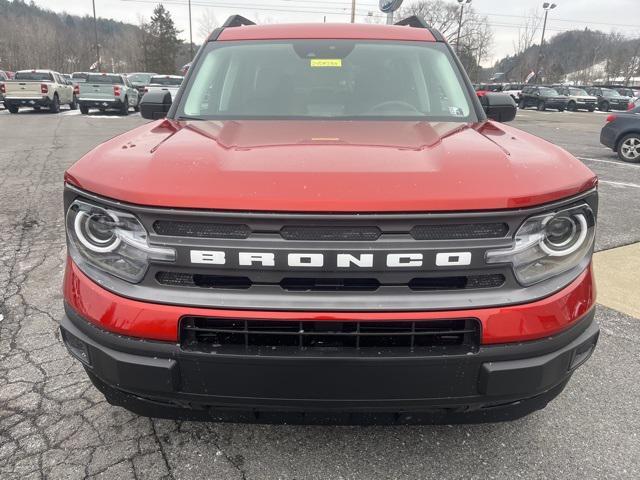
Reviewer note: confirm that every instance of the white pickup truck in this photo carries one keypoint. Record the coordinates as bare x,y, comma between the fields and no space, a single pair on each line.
38,89
167,83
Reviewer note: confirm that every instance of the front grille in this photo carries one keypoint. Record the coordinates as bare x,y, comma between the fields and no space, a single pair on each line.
201,229
330,233
460,231
368,338
453,231
323,284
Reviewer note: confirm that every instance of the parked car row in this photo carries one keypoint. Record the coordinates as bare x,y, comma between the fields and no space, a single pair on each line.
103,91
567,97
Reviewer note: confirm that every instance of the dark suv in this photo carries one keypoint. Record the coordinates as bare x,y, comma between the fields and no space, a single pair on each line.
542,98
609,99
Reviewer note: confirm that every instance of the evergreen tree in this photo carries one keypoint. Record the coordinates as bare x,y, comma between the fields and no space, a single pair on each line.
161,42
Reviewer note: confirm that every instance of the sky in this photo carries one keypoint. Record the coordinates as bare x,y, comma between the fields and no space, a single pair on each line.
504,16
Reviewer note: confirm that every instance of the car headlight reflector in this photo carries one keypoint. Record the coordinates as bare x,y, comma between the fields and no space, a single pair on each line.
549,244
112,241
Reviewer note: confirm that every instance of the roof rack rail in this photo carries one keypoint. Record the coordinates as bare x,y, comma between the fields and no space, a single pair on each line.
416,21
237,21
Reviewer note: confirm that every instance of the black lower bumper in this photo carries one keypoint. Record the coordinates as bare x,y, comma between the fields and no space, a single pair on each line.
44,102
500,382
103,104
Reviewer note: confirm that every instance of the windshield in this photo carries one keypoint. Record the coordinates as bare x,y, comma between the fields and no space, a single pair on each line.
332,79
34,76
140,77
578,91
103,78
79,76
166,81
610,93
548,91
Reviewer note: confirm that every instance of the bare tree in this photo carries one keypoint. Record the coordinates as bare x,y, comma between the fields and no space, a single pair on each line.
207,23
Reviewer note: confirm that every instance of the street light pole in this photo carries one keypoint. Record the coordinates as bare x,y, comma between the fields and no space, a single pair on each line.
546,6
353,11
190,32
95,30
462,4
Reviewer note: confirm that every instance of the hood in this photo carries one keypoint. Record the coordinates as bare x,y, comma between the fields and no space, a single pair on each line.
330,166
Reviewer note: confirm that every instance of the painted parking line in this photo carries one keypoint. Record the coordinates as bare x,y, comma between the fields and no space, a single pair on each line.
619,184
612,162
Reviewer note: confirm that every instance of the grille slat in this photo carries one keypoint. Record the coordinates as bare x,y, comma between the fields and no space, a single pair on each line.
460,231
260,337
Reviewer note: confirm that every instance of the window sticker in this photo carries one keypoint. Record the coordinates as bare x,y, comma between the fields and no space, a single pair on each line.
456,111
326,62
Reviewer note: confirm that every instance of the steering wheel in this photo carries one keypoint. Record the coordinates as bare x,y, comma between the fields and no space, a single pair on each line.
390,106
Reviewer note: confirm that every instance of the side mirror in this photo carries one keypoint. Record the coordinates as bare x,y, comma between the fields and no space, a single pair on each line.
155,105
500,107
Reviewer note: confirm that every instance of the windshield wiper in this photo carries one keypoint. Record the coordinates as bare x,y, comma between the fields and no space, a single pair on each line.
187,117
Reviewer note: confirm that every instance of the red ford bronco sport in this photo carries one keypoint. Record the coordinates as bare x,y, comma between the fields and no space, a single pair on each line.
328,223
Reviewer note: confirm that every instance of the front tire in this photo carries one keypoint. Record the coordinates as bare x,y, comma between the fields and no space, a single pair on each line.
541,106
84,109
572,107
74,104
13,108
605,107
629,148
521,105
55,105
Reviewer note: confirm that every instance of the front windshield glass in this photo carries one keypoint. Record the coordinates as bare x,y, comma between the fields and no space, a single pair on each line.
328,79
170,81
140,77
610,93
104,78
578,91
33,76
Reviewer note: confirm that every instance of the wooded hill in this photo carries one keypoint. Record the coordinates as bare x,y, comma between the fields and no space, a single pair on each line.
573,51
33,37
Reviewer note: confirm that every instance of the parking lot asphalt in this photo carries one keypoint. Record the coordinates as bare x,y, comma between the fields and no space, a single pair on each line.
54,424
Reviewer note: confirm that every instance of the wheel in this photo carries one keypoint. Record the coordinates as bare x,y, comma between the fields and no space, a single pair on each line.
572,107
36,108
604,107
136,107
521,104
629,148
124,108
55,105
561,109
541,106
591,109
13,108
84,109
74,104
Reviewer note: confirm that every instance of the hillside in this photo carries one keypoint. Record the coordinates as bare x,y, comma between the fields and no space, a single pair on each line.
573,51
32,37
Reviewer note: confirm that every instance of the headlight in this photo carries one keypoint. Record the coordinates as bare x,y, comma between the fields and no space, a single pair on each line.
112,241
549,244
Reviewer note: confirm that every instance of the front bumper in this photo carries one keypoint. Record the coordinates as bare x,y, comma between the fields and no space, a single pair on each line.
499,382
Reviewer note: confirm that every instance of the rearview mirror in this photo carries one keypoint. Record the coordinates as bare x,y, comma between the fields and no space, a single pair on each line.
500,107
155,105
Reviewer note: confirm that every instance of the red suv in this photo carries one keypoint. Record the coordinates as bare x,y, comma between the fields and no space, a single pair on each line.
325,220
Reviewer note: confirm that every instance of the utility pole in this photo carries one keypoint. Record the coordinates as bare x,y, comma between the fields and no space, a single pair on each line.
353,11
95,30
190,32
462,4
546,7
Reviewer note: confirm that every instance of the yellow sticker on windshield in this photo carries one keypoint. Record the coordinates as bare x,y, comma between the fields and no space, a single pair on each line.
326,62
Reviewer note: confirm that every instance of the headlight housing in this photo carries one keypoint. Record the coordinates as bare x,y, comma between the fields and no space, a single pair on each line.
112,241
549,244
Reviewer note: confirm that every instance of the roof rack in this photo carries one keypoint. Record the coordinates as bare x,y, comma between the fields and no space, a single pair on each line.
416,21
237,21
